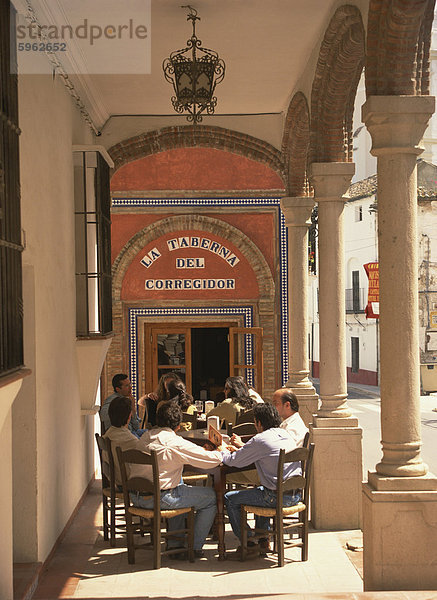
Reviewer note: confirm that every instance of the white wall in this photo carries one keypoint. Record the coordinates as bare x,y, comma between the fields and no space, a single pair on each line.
59,444
365,163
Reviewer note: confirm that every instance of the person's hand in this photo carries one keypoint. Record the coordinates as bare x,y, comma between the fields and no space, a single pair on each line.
236,441
231,448
152,396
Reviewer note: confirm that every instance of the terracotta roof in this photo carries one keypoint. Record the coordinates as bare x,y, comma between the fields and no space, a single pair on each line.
368,187
364,188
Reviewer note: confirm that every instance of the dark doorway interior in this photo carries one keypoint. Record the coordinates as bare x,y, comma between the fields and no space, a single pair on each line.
210,360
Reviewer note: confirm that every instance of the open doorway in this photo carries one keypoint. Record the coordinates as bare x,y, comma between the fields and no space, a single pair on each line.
203,355
210,361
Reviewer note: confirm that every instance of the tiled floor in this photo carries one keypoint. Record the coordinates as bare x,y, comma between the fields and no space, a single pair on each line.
85,567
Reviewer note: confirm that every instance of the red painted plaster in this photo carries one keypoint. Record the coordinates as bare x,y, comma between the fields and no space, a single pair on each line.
195,169
259,227
133,287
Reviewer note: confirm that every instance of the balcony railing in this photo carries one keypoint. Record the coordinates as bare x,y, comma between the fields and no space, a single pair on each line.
355,300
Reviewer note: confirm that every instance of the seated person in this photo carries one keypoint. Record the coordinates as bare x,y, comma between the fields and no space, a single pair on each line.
263,450
254,394
120,415
287,405
153,399
177,392
122,388
237,400
173,453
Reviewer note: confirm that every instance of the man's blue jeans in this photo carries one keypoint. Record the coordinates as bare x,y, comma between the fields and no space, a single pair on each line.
202,499
259,496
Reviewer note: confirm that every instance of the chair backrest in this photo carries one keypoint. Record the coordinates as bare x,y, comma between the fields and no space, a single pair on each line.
245,416
245,431
296,482
106,462
135,483
306,440
188,418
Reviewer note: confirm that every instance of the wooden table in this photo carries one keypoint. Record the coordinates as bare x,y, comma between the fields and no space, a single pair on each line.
199,437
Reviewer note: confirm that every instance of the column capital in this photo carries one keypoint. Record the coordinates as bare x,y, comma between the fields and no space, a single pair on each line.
331,180
297,211
397,123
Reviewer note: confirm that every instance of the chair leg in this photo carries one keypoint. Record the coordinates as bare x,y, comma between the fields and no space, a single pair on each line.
105,518
280,541
112,527
275,545
190,523
156,543
130,540
243,526
305,535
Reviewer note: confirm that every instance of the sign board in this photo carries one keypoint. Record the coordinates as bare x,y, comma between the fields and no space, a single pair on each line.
433,319
372,308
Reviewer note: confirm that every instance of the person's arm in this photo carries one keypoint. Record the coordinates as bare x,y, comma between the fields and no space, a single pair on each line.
197,456
249,453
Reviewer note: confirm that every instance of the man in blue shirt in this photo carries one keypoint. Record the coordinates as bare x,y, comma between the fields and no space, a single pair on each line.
263,450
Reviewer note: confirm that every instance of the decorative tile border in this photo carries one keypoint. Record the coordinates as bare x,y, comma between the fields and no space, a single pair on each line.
234,202
135,313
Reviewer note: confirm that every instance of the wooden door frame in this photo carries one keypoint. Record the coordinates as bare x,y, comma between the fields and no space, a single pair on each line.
178,326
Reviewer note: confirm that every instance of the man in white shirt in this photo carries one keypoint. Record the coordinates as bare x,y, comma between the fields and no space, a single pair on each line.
287,405
173,453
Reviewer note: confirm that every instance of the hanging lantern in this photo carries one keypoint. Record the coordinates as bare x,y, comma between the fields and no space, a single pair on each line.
194,73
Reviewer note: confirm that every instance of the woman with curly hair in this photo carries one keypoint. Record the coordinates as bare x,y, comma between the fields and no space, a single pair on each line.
153,400
237,400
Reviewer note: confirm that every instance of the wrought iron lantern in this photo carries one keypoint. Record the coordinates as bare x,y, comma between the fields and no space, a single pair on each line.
194,73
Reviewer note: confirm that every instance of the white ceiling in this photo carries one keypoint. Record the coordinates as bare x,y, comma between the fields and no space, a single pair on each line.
265,45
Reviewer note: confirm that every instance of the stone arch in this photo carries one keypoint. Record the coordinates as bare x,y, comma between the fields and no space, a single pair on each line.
204,136
398,45
339,67
202,223
295,145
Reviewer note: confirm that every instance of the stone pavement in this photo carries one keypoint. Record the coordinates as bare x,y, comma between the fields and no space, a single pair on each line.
84,566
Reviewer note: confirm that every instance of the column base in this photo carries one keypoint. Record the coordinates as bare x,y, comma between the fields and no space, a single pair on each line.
308,402
400,534
337,477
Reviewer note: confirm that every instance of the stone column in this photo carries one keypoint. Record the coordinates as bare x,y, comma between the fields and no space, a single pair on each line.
336,497
297,213
400,498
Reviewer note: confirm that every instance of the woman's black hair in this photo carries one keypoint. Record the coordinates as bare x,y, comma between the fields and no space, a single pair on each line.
237,389
177,392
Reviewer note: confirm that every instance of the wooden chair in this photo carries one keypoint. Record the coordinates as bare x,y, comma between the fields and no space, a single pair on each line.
245,416
296,482
110,495
188,418
151,488
245,431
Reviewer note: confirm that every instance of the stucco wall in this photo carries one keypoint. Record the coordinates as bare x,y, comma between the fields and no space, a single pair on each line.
54,463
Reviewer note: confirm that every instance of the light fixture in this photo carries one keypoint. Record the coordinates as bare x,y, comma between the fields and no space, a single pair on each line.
194,73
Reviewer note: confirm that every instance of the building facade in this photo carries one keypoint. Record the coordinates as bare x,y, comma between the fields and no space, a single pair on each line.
69,128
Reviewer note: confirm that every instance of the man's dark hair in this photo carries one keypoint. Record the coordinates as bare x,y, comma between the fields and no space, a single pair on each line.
169,415
267,415
288,396
119,411
117,379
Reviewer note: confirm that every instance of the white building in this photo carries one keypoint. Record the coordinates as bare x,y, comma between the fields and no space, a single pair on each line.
361,247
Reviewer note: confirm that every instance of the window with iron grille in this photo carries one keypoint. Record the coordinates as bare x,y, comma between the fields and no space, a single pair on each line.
355,353
93,244
11,303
